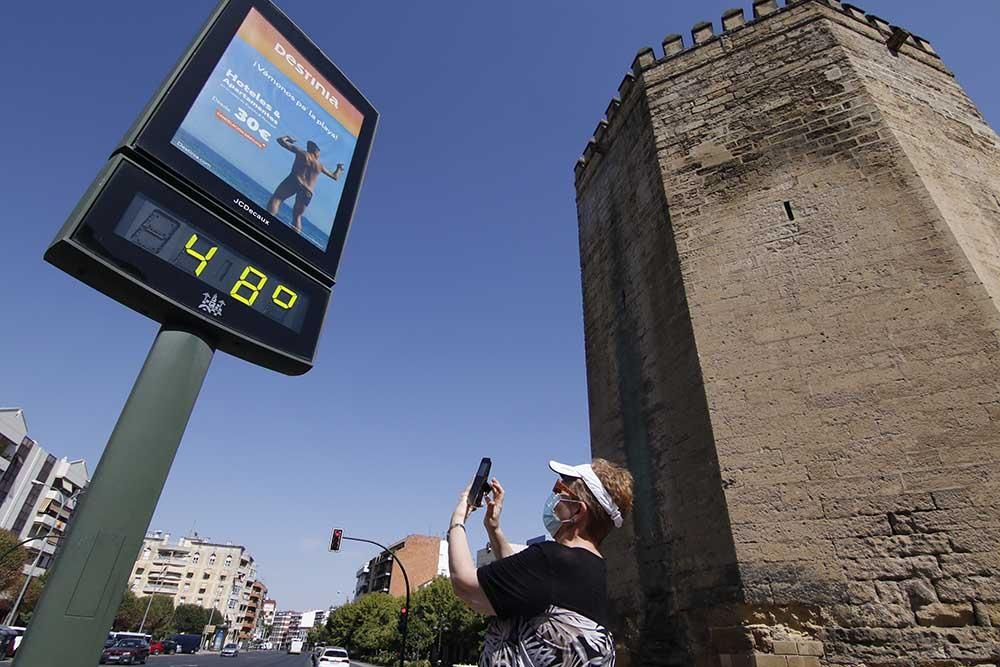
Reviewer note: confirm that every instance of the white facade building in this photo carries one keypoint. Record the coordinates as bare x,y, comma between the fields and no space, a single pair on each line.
38,492
197,571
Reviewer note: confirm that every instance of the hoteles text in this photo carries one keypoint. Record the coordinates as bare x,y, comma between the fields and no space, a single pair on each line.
305,74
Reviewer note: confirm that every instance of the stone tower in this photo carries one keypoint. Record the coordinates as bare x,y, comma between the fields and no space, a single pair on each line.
790,249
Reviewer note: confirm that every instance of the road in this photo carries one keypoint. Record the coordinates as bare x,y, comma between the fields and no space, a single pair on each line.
248,659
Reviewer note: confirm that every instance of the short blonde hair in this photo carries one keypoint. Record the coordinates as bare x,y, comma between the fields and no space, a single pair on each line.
618,483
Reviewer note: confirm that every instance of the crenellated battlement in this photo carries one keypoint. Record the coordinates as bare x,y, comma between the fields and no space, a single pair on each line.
732,21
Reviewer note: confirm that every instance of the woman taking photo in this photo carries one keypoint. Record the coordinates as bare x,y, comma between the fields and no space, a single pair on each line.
549,601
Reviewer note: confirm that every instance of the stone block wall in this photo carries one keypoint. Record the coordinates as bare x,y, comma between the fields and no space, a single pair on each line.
788,251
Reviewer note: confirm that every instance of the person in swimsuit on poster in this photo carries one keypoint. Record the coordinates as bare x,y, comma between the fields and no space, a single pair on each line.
302,180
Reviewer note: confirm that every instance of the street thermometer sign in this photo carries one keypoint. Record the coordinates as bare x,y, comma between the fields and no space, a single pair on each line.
227,205
222,215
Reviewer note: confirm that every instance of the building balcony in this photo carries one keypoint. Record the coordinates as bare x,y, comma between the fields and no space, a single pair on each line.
46,520
166,560
160,589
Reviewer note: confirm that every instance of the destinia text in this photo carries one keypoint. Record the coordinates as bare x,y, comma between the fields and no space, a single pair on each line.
305,74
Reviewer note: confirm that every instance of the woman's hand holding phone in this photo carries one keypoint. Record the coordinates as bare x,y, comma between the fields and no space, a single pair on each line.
494,506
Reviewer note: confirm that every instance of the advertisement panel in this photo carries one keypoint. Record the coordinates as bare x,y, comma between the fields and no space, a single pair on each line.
270,125
262,121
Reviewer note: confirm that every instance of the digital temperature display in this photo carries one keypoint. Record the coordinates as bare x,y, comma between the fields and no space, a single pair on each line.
229,277
166,255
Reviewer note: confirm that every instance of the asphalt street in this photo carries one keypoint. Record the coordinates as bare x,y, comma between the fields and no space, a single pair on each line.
248,659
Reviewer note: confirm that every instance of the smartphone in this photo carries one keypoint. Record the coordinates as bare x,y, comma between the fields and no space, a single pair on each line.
480,483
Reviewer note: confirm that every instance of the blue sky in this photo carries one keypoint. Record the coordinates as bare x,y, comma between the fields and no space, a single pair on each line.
456,328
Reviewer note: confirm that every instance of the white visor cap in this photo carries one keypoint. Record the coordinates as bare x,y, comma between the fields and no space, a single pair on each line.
593,482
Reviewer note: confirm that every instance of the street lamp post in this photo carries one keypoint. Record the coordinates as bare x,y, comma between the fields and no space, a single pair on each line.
406,580
440,629
38,557
149,604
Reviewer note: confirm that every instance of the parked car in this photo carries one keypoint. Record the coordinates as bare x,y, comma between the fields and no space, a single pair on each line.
334,656
187,643
163,646
230,651
8,638
126,652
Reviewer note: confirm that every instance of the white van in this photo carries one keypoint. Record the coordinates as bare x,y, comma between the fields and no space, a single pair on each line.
295,646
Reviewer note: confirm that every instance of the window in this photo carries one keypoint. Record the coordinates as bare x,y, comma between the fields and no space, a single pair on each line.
201,591
140,570
145,553
187,587
189,575
229,561
232,604
196,557
205,575
211,559
222,577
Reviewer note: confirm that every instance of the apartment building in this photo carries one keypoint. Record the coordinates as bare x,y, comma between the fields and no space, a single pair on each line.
196,570
250,610
285,628
485,556
423,556
38,492
265,619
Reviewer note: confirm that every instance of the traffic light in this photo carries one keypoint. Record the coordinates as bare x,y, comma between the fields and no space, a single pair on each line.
338,535
402,620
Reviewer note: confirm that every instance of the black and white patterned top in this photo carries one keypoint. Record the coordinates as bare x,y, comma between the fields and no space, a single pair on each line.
551,607
555,638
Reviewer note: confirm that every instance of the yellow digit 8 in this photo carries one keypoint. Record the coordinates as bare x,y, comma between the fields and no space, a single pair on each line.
243,282
276,297
202,259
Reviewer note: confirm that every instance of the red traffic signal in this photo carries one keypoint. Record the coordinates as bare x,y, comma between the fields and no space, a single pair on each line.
403,620
338,536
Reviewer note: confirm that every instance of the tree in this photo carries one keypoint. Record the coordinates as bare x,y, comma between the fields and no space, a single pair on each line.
11,567
190,618
30,599
368,626
317,636
129,613
438,613
159,616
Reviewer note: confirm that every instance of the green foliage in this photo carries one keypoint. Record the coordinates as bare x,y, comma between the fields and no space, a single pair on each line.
368,627
30,599
190,618
129,613
12,564
160,616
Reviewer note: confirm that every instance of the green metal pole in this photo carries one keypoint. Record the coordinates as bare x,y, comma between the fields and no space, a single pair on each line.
88,578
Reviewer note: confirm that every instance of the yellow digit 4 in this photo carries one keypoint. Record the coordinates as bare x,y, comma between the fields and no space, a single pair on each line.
290,299
243,282
202,259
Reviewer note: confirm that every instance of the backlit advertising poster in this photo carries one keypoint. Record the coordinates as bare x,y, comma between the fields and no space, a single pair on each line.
269,125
